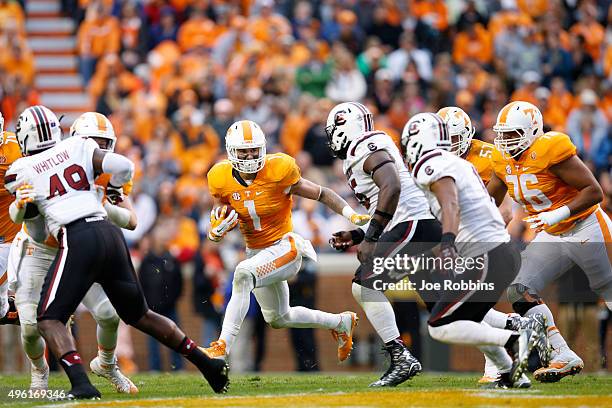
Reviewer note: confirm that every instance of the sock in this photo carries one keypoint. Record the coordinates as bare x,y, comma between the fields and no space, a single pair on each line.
190,350
301,317
554,336
72,365
3,294
395,341
107,342
236,311
497,360
378,311
496,318
470,333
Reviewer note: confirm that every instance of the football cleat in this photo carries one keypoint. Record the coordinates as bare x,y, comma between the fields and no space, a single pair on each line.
343,334
532,334
83,391
501,382
216,349
11,316
403,366
564,362
217,376
112,373
39,378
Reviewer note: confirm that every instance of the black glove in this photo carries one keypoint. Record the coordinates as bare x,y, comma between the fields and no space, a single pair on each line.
448,254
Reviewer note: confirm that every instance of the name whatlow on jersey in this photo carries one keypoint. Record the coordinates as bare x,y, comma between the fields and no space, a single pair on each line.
403,264
423,286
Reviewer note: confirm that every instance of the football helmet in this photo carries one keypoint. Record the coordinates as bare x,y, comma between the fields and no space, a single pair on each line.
96,126
346,122
245,134
37,129
422,133
524,120
459,125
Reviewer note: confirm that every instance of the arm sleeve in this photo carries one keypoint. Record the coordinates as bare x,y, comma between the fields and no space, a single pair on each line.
120,168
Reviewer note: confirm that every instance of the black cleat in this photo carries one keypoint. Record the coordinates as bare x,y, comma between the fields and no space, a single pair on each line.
403,366
11,316
84,391
218,376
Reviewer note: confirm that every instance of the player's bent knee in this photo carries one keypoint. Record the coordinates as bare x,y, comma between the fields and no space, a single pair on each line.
243,276
279,322
522,298
438,332
106,315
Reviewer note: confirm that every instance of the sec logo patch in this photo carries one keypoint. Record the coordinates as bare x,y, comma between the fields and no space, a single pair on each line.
236,196
533,155
428,171
2,159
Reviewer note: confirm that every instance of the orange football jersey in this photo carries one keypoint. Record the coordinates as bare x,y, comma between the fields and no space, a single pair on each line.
531,183
264,206
9,152
479,155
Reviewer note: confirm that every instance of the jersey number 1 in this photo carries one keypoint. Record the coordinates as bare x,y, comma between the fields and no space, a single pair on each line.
75,177
250,205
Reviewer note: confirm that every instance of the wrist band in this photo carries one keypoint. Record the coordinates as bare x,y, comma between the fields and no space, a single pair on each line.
357,235
448,238
384,215
374,232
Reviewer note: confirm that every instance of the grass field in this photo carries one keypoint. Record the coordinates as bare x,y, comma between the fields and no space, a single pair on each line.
340,390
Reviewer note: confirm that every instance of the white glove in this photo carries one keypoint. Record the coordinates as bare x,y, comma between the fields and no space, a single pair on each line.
220,223
547,218
25,194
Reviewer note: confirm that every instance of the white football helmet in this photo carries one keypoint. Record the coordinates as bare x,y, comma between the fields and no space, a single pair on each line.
424,132
459,125
96,126
524,120
245,134
37,129
346,122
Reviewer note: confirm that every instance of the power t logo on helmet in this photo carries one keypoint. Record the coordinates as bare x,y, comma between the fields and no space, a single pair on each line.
96,126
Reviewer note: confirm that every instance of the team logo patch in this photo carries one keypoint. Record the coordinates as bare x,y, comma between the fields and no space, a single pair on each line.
339,118
428,171
508,169
533,155
236,196
372,147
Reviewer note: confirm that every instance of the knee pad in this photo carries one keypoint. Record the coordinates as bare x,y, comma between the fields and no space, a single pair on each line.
244,276
522,298
105,314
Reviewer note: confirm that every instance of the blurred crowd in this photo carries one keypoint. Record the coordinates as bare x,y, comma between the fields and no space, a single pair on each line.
172,75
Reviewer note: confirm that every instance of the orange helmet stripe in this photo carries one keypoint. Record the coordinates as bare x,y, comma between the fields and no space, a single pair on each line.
505,111
246,131
101,122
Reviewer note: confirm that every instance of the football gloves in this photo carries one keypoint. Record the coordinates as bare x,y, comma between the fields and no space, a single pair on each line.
221,223
25,194
114,194
547,218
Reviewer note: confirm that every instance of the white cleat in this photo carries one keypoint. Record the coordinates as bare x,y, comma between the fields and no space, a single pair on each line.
112,373
40,378
564,362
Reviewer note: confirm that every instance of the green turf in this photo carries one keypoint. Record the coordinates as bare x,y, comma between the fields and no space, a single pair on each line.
170,385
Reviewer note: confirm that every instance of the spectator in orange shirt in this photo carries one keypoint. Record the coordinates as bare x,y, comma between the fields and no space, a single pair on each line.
560,96
98,35
432,22
19,61
589,28
531,81
473,43
199,30
554,117
269,25
11,13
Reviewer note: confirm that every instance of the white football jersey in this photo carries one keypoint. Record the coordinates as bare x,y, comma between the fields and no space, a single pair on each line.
481,227
63,179
412,204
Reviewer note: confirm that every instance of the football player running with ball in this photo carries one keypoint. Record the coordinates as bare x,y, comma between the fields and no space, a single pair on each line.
91,248
34,249
254,189
401,223
473,229
543,174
